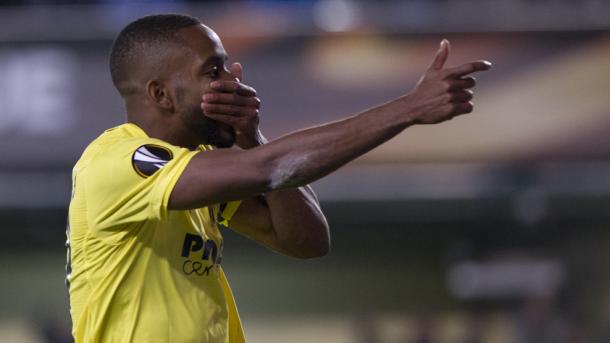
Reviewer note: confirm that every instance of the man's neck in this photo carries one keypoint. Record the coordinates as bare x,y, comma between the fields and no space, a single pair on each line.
165,129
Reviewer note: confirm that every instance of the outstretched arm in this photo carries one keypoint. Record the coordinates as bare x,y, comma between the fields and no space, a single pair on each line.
307,155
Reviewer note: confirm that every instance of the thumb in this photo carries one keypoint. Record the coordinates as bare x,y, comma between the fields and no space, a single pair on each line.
441,56
237,71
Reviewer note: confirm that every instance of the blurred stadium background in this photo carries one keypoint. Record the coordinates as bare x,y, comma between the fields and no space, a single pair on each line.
490,228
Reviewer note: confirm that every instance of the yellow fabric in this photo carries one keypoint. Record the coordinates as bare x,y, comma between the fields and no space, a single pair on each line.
138,272
229,211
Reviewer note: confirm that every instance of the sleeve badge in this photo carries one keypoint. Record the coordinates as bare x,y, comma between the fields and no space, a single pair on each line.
149,158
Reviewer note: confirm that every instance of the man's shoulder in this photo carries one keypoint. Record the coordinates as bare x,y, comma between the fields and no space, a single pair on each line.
124,149
114,143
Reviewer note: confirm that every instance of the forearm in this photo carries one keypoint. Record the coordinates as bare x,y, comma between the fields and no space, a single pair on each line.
299,225
305,156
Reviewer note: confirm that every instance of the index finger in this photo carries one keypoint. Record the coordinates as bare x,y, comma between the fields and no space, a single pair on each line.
467,68
233,87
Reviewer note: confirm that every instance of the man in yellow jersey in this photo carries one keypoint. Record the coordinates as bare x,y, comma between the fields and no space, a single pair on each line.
144,246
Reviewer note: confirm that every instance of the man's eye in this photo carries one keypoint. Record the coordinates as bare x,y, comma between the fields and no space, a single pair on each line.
214,72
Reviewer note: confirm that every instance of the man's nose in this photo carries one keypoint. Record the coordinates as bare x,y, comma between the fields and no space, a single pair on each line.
227,76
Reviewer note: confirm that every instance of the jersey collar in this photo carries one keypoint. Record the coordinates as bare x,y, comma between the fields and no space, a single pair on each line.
137,131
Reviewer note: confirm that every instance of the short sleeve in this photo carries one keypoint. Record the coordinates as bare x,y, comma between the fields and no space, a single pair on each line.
130,181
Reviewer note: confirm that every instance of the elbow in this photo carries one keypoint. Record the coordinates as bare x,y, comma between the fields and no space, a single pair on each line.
286,173
312,251
320,250
317,251
313,248
304,250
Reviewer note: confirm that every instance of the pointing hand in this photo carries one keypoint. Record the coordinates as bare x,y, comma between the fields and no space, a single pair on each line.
443,92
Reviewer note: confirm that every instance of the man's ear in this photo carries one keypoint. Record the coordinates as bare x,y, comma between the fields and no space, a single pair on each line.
159,95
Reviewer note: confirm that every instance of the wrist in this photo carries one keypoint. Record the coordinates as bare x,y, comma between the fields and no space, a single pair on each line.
249,141
403,111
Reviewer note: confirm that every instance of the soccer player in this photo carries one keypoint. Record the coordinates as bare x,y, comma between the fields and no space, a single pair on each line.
147,197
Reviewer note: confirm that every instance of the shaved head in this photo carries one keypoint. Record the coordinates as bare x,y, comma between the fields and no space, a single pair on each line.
142,40
162,65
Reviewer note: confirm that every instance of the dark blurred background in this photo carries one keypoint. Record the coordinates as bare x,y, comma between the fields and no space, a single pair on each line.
493,227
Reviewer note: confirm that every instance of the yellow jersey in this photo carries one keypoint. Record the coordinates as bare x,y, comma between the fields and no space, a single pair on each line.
138,272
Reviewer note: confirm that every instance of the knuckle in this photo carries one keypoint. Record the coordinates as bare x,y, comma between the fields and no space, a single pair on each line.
455,85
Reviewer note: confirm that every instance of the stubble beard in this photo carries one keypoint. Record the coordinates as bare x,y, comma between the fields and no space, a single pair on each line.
214,133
